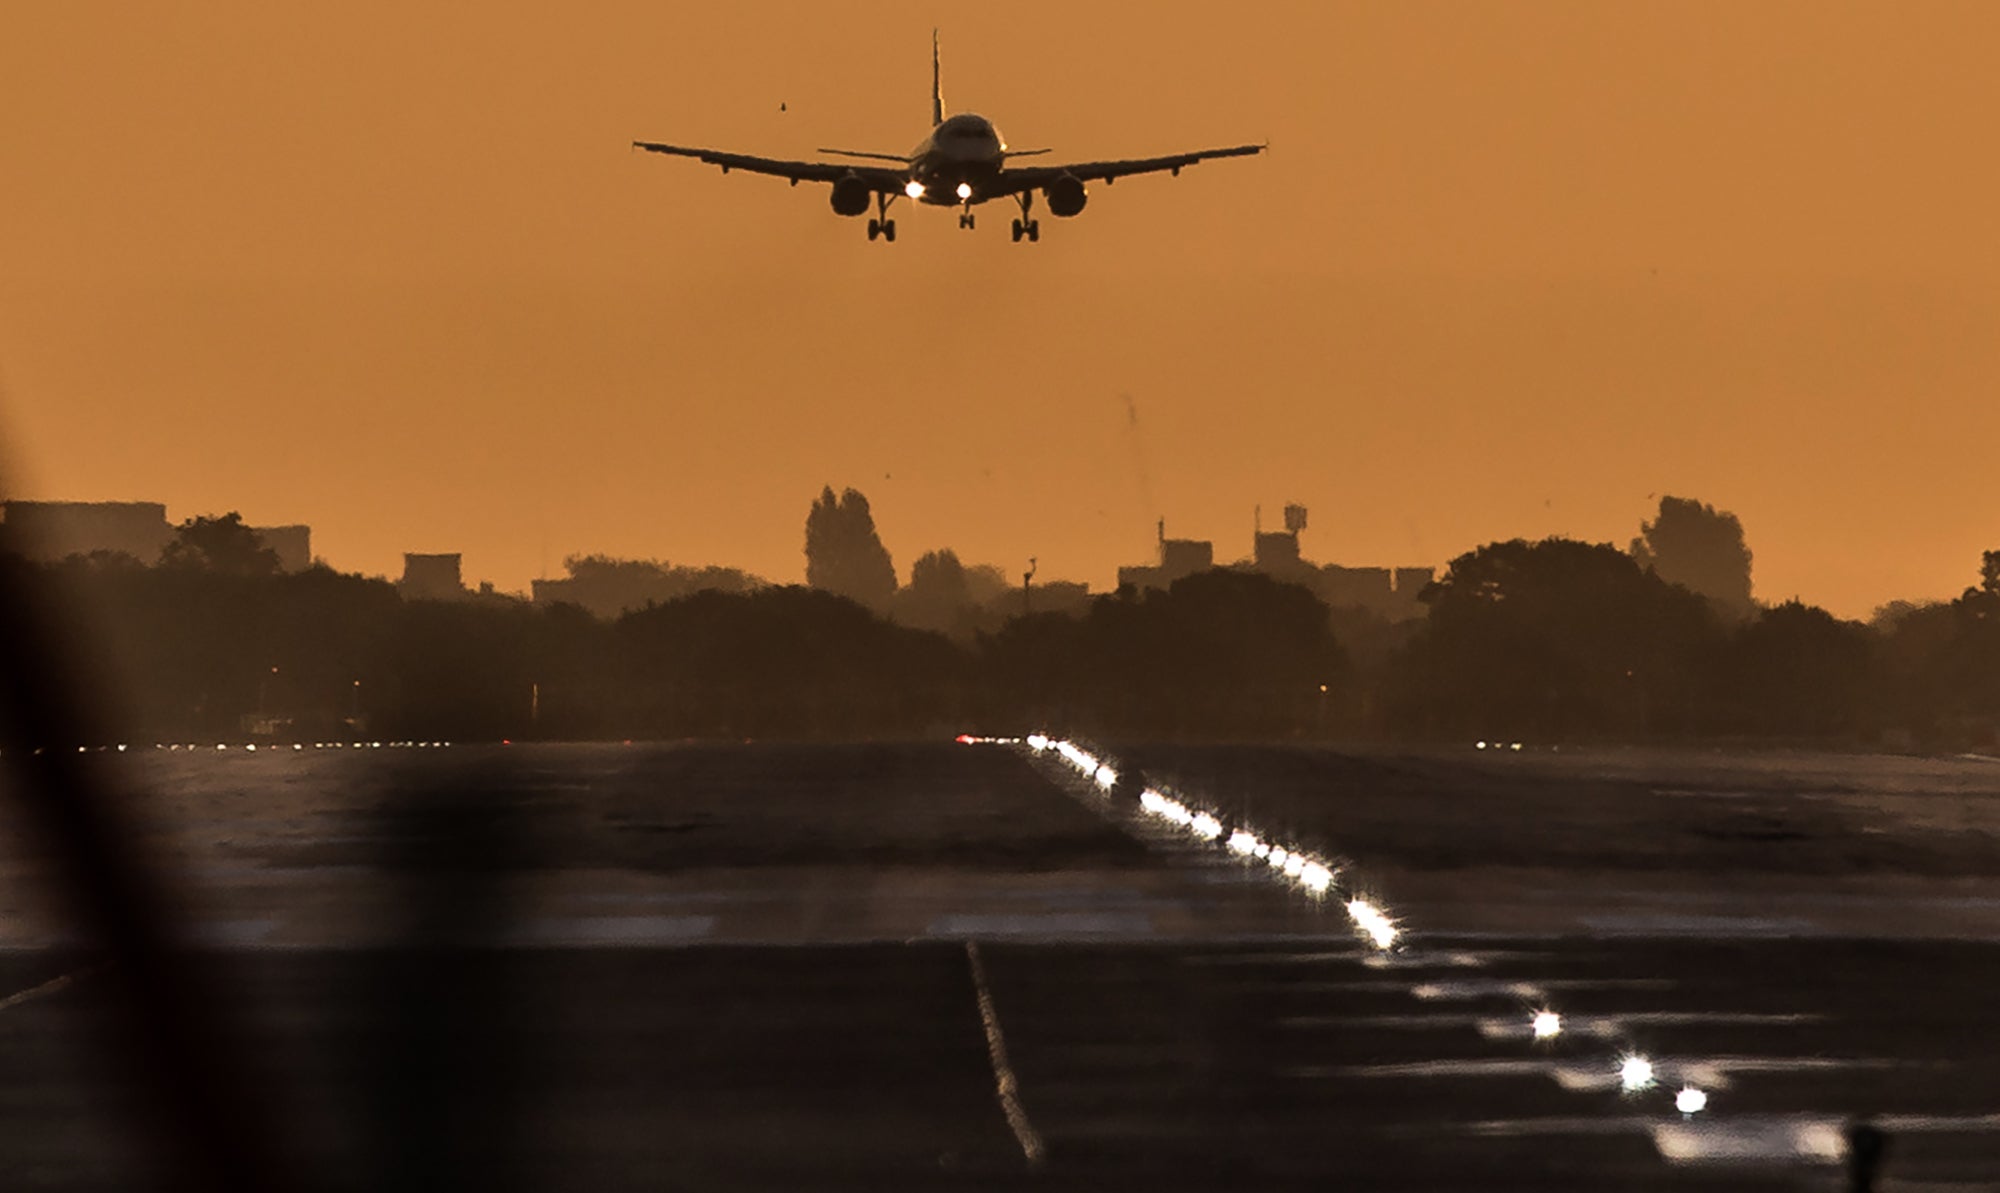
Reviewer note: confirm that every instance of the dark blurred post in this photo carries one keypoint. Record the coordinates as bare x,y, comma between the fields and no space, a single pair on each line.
1866,1146
445,1047
219,1131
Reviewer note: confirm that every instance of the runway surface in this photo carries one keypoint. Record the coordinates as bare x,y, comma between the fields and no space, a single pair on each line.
946,966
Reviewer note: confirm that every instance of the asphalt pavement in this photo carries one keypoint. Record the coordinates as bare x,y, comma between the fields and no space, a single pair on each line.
943,966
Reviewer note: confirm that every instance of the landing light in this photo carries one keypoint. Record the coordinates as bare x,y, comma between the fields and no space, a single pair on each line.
1548,1025
965,190
1690,1100
914,190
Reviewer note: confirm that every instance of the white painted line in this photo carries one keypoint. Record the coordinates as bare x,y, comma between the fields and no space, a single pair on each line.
1617,1026
1467,989
1489,1067
1813,1141
1051,925
1006,1088
1446,1022
612,931
1717,927
53,986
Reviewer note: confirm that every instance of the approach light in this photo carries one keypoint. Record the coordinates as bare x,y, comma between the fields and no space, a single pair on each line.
914,190
965,190
1548,1025
1635,1073
1690,1100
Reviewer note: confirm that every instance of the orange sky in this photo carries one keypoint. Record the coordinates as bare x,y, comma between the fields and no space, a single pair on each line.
1509,269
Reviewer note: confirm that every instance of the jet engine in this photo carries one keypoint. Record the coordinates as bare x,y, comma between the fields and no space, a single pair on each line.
851,195
1066,195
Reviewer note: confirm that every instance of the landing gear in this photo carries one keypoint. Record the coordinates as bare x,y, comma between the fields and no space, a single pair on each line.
965,219
882,225
1027,225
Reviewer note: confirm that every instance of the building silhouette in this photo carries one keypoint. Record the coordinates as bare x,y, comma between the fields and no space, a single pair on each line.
432,578
1177,558
1389,593
47,531
291,544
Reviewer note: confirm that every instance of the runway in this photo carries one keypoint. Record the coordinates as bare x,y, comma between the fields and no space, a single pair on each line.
943,966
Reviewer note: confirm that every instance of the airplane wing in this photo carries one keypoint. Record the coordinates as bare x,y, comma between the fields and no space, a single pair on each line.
878,178
1026,178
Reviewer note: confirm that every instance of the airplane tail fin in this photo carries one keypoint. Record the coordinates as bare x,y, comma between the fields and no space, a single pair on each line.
937,84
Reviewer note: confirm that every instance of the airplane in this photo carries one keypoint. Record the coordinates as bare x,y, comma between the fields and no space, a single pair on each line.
962,163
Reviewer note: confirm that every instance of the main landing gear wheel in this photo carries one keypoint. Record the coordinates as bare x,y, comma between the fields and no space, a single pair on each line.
882,225
965,219
1027,225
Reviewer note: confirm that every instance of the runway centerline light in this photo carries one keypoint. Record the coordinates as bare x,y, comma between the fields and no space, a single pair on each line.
1370,919
1635,1073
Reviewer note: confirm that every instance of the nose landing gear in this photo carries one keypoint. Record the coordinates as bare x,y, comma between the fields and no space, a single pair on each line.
965,219
1027,225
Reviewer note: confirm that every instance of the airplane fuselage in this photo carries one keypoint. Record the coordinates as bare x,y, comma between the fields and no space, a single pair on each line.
958,162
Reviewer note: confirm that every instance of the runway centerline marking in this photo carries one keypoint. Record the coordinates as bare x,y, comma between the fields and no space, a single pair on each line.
1005,1086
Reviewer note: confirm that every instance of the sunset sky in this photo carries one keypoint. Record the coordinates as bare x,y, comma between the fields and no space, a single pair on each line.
1508,270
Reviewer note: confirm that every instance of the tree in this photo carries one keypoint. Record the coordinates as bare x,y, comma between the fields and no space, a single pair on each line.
938,596
844,555
1797,670
1552,639
1220,653
1989,573
1701,549
222,545
609,588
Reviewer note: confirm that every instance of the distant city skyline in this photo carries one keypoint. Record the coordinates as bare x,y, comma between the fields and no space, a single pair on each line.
1511,273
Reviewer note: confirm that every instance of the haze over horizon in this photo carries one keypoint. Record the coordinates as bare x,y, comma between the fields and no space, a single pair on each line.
1507,271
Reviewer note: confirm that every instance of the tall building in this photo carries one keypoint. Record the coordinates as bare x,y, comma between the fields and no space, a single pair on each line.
291,544
1178,558
432,578
52,530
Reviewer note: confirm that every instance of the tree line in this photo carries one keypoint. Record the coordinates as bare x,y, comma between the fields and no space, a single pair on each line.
1544,642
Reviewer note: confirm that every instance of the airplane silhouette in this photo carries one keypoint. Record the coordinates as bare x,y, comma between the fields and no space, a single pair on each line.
962,163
